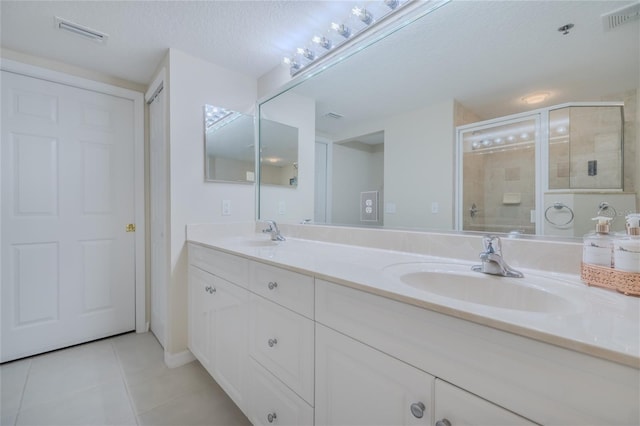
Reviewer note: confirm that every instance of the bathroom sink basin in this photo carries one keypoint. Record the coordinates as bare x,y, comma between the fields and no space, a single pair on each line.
256,242
261,243
458,282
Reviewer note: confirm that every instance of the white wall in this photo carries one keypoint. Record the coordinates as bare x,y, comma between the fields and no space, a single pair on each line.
419,154
70,69
297,111
192,83
413,182
354,171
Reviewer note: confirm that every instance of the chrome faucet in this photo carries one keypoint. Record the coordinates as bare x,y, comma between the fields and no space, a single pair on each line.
492,260
273,230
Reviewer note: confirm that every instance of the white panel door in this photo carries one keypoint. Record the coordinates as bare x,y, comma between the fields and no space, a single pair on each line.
68,271
158,216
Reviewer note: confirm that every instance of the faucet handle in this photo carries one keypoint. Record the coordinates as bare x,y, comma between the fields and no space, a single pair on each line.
492,244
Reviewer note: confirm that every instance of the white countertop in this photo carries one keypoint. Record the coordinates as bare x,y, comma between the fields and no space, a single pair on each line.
597,322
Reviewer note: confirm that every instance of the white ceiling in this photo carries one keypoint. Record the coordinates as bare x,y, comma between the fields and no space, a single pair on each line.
251,37
485,54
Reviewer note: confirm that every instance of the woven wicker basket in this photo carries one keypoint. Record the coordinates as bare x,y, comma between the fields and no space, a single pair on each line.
601,276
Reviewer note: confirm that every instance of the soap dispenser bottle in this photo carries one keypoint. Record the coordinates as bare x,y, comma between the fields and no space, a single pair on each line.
598,244
627,248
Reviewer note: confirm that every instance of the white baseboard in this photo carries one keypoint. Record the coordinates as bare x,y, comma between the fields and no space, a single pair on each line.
178,359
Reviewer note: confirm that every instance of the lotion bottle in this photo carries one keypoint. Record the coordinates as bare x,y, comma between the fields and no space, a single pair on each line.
627,247
598,244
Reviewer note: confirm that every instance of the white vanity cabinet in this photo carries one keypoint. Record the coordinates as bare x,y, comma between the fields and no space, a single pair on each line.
358,385
281,346
251,326
501,373
293,350
218,325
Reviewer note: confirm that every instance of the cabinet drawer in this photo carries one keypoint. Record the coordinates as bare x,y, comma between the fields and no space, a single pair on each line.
271,402
283,342
358,385
287,288
460,408
231,268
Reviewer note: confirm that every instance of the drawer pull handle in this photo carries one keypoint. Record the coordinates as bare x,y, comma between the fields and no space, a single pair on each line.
209,289
417,409
272,342
271,417
272,285
443,422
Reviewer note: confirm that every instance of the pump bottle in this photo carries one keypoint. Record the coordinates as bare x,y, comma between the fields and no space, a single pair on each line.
627,248
598,244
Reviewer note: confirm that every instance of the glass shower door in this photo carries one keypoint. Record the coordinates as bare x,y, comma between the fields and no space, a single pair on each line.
498,179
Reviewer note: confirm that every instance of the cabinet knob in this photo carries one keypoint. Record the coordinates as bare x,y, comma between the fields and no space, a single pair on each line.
417,409
443,422
271,417
272,342
272,285
209,289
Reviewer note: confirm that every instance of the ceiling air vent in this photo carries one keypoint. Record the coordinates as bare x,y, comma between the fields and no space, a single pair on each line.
621,16
333,115
80,30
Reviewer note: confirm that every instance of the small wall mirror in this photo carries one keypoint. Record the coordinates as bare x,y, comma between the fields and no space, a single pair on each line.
229,146
278,154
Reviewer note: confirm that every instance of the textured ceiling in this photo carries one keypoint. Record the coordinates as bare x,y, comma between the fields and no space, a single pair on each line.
250,37
485,54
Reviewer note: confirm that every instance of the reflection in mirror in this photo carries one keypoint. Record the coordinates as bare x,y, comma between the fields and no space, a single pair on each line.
278,154
290,117
478,61
358,180
229,146
500,170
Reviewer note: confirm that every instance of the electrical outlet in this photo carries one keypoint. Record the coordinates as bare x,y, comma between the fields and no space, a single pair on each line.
282,208
226,207
435,207
369,206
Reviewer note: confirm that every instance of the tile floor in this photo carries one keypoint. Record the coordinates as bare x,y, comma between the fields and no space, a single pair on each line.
117,381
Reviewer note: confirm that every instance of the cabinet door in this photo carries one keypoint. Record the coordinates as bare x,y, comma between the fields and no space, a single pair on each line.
457,407
358,385
228,328
200,306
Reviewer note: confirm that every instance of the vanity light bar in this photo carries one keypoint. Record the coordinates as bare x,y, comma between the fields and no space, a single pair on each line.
341,33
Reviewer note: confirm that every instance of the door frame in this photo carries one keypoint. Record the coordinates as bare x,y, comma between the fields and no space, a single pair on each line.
139,191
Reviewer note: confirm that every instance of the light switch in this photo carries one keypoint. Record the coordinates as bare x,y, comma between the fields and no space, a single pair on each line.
282,208
435,207
226,207
390,208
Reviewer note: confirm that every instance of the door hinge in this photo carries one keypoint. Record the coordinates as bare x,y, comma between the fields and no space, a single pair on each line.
131,227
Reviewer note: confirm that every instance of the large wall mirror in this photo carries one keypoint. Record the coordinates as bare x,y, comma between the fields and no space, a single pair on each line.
229,146
379,129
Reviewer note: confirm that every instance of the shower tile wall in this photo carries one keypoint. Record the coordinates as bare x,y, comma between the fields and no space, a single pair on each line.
594,135
500,173
631,142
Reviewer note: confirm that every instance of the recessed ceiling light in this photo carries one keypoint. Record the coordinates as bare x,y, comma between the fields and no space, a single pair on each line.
81,30
536,98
